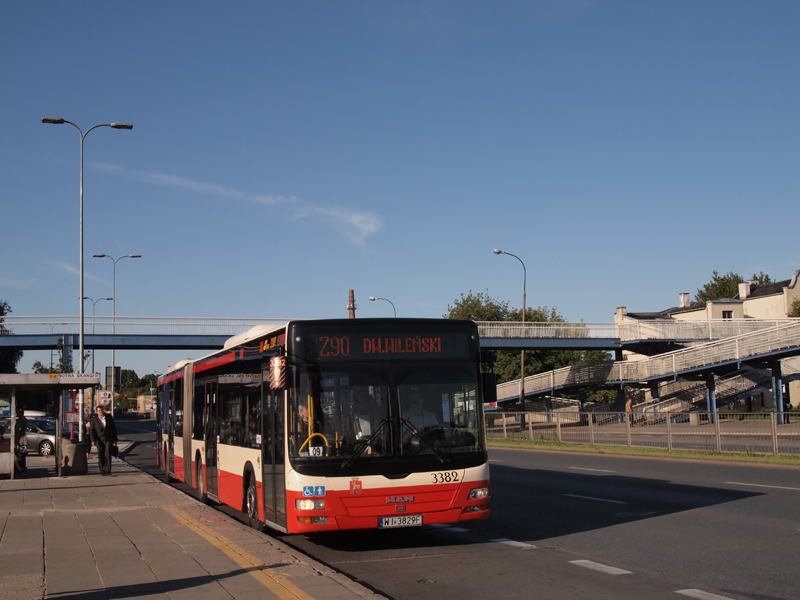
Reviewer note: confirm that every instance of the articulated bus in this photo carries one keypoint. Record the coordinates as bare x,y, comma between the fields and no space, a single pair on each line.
334,424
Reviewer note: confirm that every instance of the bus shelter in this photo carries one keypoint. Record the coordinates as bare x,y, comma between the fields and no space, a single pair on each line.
68,457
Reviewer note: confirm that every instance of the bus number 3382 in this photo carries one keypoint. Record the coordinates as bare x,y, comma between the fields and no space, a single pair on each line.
446,477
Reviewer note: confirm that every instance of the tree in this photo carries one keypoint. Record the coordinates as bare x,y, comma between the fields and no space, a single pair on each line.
9,359
725,286
482,307
479,307
62,366
794,311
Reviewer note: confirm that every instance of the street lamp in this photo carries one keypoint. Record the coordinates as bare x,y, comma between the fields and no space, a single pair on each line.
59,121
522,365
373,298
94,303
114,313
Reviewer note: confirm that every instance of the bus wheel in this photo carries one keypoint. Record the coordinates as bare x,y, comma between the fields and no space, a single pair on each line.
251,504
200,487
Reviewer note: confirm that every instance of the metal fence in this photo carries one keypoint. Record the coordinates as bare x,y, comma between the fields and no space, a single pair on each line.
748,433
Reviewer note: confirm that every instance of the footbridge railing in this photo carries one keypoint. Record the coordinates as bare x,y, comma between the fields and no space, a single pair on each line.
757,343
661,329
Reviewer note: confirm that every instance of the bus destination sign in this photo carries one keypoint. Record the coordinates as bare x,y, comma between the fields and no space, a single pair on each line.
360,346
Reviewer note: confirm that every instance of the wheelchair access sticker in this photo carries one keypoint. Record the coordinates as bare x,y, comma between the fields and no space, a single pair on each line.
310,491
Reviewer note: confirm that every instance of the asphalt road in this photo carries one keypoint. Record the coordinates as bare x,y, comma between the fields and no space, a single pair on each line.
585,526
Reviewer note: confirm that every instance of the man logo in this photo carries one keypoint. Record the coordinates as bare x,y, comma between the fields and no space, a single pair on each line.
399,499
400,508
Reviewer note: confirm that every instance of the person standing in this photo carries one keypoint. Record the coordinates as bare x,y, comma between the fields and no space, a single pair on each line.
103,432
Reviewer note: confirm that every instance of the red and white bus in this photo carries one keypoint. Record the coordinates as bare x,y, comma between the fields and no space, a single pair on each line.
334,424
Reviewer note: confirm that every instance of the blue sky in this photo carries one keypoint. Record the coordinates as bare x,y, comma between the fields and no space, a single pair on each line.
285,153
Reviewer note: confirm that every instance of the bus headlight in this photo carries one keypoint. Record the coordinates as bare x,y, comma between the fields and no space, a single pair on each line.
309,504
478,493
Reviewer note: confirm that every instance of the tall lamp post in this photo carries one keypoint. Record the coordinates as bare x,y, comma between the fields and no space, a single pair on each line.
59,121
522,365
114,314
94,303
373,298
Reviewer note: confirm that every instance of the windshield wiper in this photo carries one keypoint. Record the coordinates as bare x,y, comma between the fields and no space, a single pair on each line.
364,443
414,432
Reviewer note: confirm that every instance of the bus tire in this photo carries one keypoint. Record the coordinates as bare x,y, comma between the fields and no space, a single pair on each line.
200,485
251,503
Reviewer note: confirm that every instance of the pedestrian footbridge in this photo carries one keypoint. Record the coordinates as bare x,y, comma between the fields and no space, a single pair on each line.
736,365
677,350
194,333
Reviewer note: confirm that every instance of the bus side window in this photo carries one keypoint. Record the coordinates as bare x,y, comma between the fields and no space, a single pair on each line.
198,418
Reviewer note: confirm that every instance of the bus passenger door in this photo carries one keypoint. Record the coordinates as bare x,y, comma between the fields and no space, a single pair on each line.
272,454
171,432
210,410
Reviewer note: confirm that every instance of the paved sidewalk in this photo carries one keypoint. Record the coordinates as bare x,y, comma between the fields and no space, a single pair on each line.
133,536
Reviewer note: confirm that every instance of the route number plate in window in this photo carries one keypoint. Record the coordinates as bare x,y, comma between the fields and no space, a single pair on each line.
401,521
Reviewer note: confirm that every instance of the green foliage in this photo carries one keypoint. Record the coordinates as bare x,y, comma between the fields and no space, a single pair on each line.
478,307
762,278
133,387
794,311
507,363
62,366
725,286
9,359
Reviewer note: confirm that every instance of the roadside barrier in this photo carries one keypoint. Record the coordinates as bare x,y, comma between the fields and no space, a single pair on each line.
747,433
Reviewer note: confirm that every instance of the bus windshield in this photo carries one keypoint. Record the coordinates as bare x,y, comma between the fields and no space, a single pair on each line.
360,417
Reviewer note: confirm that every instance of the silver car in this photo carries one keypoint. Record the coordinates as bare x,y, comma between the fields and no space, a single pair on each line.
40,435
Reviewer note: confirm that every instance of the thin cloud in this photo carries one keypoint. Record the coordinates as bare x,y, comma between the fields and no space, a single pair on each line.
21,284
70,269
209,188
354,224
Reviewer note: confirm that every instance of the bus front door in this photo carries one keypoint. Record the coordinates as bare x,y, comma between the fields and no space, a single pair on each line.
272,454
210,410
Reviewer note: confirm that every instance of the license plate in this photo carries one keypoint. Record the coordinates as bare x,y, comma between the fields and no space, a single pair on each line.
403,521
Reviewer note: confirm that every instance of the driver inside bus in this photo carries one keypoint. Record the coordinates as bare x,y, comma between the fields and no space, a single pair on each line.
417,415
305,430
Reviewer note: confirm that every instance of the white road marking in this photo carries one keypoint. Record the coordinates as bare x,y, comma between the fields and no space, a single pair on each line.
492,460
508,542
701,595
774,487
598,567
597,499
595,470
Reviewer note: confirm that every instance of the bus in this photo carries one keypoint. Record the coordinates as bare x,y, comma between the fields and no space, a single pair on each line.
327,425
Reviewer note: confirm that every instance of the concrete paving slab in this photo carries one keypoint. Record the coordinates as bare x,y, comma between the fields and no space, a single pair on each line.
132,536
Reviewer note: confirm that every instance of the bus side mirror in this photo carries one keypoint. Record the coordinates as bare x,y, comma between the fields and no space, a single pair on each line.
489,382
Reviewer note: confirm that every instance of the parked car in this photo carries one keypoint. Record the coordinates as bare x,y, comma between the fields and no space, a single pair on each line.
40,435
37,414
